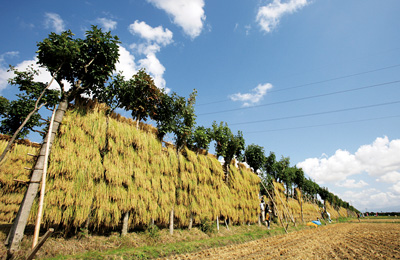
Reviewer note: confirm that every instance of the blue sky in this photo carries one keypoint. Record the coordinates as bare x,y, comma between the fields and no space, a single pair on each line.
316,81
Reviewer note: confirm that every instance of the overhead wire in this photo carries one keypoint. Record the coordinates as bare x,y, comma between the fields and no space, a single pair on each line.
320,125
312,83
302,98
317,113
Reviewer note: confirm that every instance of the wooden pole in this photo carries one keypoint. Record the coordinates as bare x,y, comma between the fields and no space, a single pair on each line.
273,202
171,222
288,212
40,244
43,188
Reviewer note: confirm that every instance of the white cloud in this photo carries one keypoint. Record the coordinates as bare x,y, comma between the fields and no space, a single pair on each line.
372,199
4,74
380,159
54,21
154,38
43,76
256,95
268,16
396,188
126,63
107,24
188,14
353,184
155,68
335,168
390,177
156,34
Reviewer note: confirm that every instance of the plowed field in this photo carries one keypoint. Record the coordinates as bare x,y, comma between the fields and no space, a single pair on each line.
338,241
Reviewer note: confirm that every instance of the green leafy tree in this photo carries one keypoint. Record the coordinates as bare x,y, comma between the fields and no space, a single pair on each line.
185,119
255,156
175,114
86,64
4,106
112,92
140,96
201,139
270,166
227,144
21,115
165,114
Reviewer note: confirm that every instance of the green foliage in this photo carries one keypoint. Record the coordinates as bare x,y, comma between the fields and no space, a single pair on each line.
255,156
4,106
185,119
176,115
85,63
140,96
153,231
207,226
112,92
200,138
227,144
15,112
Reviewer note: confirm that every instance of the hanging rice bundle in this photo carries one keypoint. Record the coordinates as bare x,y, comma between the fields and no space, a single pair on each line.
13,176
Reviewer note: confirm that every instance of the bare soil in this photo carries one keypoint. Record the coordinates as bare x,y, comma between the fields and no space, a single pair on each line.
365,240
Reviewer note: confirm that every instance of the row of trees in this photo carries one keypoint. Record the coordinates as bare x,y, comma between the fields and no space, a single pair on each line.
292,177
87,65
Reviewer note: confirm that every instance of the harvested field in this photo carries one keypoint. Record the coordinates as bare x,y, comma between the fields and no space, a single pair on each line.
363,240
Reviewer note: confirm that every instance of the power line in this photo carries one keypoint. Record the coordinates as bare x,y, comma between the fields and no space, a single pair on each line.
303,98
312,83
321,125
317,113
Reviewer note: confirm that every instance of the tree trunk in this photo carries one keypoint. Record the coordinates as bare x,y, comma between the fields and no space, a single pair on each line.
125,224
171,222
17,230
218,224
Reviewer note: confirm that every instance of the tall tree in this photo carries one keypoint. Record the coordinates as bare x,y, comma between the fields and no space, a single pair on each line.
185,119
200,139
270,166
227,144
255,156
175,114
85,64
21,115
4,106
141,96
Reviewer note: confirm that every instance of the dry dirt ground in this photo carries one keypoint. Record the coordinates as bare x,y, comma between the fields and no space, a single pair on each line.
365,240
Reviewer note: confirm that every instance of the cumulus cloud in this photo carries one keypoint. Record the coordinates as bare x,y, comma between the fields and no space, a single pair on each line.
188,14
254,97
353,184
154,38
126,63
390,177
154,66
379,159
107,24
156,34
335,168
372,199
54,21
43,76
268,16
396,188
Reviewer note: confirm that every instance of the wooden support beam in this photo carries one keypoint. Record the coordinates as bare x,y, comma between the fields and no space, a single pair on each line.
40,244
